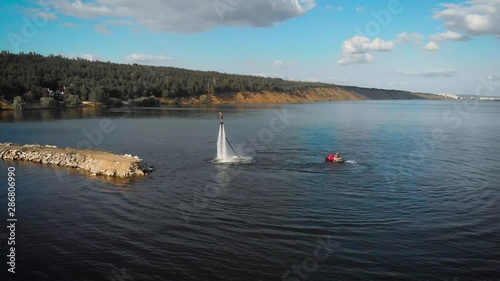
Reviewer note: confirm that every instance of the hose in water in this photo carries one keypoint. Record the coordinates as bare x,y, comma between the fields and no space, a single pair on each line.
233,149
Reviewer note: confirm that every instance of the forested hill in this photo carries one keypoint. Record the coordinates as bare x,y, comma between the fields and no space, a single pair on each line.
32,76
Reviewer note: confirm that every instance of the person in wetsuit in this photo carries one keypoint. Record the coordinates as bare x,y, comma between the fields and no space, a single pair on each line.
221,117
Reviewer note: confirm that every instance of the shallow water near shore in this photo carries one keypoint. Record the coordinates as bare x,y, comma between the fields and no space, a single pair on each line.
417,199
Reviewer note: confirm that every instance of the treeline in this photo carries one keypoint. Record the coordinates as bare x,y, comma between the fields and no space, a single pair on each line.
34,76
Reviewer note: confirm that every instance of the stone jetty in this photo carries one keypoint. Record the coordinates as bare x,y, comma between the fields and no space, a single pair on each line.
98,163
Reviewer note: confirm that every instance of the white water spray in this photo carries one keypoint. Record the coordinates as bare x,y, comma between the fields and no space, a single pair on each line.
221,145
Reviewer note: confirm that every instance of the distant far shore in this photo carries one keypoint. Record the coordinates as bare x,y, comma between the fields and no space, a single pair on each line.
264,97
39,80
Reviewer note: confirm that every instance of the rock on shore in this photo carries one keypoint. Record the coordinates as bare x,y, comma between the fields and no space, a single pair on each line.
97,163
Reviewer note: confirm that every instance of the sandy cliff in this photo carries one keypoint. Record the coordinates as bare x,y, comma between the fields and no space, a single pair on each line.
340,93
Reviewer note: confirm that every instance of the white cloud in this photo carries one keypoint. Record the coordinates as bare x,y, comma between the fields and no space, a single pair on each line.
271,75
431,47
119,22
311,79
356,59
103,29
69,24
90,57
449,36
145,58
47,16
447,72
359,9
399,83
472,17
282,64
190,16
410,38
357,50
278,63
340,8
307,4
360,44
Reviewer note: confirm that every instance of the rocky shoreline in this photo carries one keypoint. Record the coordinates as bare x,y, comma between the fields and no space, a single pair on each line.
97,163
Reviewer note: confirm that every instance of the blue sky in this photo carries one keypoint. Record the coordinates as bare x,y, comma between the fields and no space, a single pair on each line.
428,46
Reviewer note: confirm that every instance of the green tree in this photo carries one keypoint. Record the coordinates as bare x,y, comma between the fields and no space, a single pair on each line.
98,94
18,103
29,97
48,102
84,93
72,100
165,94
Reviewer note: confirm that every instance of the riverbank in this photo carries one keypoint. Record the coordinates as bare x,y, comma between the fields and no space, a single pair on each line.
97,163
340,93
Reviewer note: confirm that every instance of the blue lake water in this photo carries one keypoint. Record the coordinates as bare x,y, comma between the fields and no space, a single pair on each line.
418,199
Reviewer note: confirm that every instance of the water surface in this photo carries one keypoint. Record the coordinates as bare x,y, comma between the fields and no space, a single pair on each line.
418,199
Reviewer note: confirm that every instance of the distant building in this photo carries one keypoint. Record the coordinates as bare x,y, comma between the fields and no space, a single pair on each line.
451,96
57,93
489,98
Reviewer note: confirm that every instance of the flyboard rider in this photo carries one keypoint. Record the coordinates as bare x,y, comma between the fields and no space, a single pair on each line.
221,118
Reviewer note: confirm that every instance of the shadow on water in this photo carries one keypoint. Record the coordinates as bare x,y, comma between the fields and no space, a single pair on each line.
174,111
60,173
51,114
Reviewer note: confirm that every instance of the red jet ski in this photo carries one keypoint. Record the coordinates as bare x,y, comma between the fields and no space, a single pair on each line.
335,158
